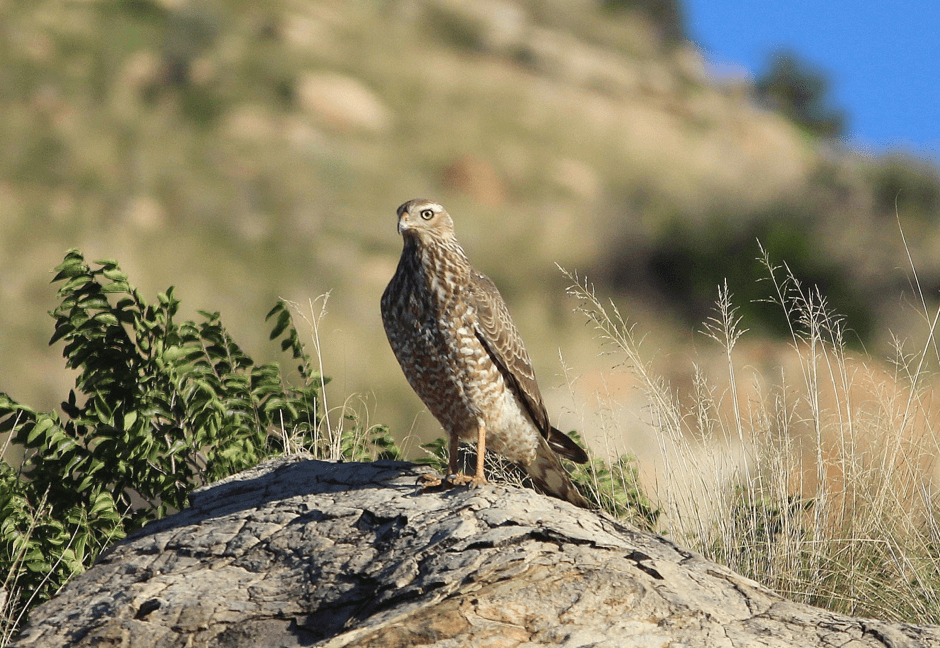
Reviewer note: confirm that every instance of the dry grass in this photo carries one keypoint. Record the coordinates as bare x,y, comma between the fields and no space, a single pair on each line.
343,432
819,482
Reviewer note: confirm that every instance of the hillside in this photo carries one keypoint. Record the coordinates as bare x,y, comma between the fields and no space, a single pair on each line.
244,152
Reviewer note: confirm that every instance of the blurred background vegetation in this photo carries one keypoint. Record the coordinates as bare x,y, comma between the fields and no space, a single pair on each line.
246,151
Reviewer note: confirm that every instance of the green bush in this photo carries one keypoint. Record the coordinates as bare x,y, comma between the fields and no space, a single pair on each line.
667,14
765,529
800,92
686,262
159,408
907,185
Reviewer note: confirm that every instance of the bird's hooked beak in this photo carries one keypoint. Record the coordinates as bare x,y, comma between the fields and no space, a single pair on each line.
403,226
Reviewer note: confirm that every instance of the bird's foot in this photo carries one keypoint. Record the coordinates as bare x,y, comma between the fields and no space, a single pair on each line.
466,480
432,481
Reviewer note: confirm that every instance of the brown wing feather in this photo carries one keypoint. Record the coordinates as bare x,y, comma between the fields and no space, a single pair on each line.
566,446
496,331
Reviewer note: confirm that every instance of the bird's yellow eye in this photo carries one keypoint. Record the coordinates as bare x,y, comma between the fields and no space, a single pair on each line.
427,214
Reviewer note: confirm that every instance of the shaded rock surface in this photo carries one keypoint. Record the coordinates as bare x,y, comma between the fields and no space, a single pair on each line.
298,552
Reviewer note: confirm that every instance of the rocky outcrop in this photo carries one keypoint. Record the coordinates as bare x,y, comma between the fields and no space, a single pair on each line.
298,552
342,102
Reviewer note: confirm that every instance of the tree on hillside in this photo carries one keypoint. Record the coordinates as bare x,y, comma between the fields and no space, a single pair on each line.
800,91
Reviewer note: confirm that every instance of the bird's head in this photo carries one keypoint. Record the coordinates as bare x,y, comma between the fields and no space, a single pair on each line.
425,220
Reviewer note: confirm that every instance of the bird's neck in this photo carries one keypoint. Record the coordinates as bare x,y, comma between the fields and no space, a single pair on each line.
436,255
440,263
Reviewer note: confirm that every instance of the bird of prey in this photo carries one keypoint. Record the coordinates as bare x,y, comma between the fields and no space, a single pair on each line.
460,351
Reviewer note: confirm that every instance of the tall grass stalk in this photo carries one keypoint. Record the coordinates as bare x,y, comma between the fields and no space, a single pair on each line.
343,432
814,478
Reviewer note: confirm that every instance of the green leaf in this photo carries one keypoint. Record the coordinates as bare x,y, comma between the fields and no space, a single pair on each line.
115,274
116,287
102,502
96,301
41,427
176,353
283,321
107,263
71,268
278,307
77,282
106,318
129,419
63,329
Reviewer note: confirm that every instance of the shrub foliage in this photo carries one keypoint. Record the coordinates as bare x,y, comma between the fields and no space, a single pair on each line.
159,407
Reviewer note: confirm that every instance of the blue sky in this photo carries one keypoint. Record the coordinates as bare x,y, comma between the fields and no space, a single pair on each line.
882,57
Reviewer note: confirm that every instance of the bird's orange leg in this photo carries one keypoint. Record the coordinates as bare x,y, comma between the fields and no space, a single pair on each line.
480,477
454,457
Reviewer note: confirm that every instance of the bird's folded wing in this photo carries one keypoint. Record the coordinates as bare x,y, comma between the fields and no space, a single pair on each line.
494,328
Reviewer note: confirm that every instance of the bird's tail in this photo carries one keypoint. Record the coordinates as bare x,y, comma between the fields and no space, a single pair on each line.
552,478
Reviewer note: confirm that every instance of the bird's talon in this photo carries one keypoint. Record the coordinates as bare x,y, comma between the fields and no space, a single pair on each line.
430,480
476,482
458,480
466,480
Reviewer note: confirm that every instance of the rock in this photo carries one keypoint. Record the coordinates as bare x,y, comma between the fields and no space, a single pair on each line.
300,552
488,25
342,102
251,123
146,214
472,177
576,177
